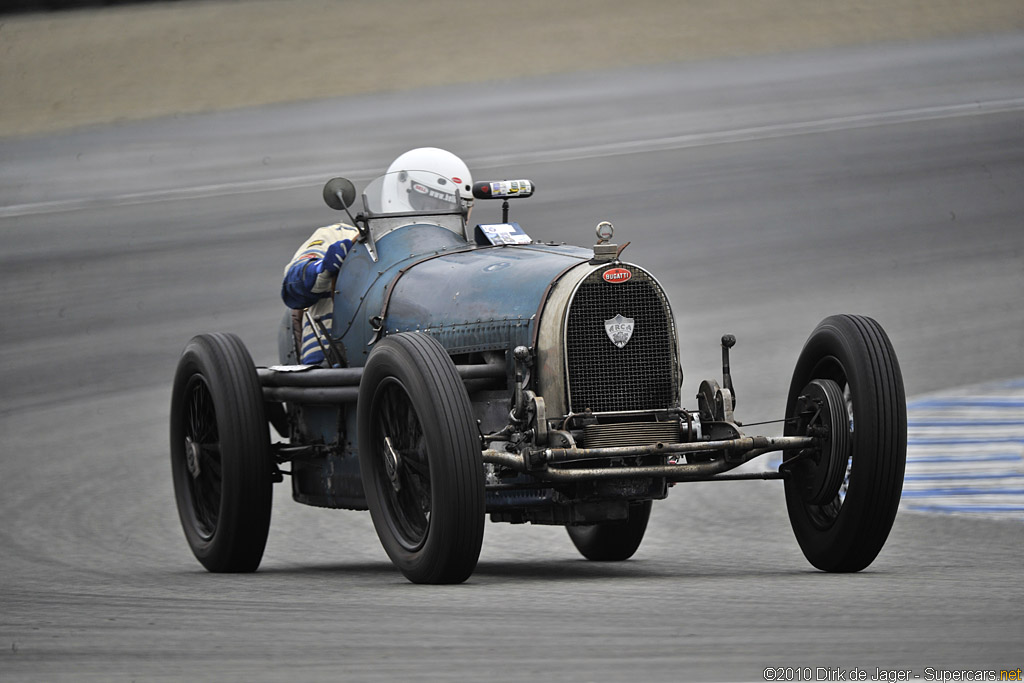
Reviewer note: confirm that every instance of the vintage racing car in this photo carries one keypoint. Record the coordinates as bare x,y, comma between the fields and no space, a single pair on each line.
473,371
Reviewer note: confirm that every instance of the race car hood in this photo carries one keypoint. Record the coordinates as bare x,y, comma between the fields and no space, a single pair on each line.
471,298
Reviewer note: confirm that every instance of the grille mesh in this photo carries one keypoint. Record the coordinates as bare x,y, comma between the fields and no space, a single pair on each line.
639,376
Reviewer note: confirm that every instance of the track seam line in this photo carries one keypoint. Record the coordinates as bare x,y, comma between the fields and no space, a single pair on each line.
672,142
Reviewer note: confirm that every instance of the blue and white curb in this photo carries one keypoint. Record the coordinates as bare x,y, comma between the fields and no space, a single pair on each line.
965,452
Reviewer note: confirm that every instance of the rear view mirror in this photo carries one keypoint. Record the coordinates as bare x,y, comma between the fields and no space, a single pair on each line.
339,193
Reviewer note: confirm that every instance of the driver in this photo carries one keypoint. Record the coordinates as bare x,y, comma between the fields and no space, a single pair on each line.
422,179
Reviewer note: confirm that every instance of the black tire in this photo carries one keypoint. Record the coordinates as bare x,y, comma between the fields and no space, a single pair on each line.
612,541
224,494
847,533
429,511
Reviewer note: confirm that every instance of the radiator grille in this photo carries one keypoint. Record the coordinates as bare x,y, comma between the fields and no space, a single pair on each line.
642,375
631,434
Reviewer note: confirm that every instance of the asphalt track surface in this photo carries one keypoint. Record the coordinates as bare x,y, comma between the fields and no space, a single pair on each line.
766,194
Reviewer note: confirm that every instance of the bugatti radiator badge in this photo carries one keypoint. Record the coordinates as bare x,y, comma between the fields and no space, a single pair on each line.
616,275
619,329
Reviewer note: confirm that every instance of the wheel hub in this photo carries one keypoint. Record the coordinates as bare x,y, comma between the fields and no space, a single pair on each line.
192,451
392,463
823,415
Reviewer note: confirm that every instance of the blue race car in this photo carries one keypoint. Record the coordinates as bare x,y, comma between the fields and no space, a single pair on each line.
471,371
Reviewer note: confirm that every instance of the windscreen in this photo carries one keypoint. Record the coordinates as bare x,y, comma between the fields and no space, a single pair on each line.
395,200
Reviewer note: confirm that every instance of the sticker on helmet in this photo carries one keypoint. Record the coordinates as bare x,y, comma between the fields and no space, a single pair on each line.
432,193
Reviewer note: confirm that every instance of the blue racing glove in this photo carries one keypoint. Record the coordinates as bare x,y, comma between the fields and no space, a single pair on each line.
335,255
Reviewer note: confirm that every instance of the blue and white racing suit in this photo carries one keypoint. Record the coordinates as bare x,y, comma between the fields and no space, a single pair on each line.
309,284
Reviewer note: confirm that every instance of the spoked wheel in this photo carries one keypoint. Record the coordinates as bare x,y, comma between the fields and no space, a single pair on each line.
847,390
419,456
612,541
220,454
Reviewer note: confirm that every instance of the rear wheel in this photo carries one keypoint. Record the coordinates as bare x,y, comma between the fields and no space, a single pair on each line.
419,455
613,541
842,517
220,454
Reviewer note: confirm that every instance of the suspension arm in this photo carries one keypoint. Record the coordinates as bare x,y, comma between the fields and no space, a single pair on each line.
761,444
537,462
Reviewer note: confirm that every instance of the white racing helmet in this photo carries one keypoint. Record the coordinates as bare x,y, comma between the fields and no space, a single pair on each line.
426,179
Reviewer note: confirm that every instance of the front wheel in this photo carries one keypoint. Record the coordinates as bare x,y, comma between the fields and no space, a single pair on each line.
612,541
842,498
220,454
419,456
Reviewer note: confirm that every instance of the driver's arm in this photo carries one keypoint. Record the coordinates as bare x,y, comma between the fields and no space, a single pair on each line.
310,274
